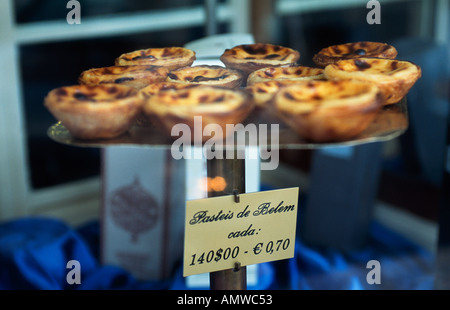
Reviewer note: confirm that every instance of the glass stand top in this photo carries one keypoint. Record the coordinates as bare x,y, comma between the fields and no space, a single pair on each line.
391,122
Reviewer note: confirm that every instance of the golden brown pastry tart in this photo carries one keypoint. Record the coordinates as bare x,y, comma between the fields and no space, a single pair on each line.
263,92
214,105
94,112
154,88
251,57
283,73
338,52
134,76
207,75
328,111
394,77
157,87
169,57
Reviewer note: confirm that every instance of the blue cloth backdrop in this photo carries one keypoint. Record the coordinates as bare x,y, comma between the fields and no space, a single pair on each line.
34,253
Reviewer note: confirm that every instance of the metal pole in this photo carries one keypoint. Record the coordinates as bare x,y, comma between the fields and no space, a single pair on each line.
211,17
233,171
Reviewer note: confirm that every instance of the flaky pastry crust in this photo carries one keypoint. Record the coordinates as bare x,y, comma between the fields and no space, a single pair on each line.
157,87
94,112
214,105
251,57
328,111
169,57
154,88
285,73
134,76
364,49
207,75
263,92
393,77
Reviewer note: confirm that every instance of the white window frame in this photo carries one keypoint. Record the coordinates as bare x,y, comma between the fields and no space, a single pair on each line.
17,197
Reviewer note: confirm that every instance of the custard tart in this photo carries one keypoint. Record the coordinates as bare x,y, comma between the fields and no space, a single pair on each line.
157,87
207,75
393,77
169,57
251,57
328,111
197,108
285,73
364,49
263,92
94,112
154,88
134,76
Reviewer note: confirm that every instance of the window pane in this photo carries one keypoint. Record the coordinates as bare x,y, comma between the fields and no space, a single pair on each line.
40,10
48,66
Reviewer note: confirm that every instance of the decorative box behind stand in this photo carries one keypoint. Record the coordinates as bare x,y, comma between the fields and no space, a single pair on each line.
143,210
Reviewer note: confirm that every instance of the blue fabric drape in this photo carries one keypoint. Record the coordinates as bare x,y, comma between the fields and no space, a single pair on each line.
34,253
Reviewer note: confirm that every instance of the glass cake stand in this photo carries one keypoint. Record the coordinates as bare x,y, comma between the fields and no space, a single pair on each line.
390,123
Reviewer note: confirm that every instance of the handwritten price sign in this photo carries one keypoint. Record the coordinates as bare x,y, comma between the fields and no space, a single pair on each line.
220,232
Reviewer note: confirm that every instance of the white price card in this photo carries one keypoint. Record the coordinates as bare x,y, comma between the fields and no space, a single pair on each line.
220,232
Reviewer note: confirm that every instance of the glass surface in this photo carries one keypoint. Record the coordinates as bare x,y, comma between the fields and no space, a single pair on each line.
46,66
45,10
390,123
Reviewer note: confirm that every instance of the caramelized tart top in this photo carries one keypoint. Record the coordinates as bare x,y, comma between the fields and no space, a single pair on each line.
207,75
169,57
284,73
364,49
373,69
260,53
123,74
307,96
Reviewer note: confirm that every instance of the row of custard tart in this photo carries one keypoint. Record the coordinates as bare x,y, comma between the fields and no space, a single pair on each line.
109,100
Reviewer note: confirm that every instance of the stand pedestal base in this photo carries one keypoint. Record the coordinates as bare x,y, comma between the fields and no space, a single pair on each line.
233,172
